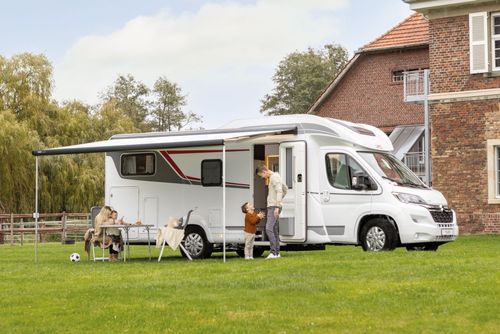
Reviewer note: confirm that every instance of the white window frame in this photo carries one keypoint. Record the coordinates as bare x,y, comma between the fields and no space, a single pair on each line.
493,39
497,172
493,149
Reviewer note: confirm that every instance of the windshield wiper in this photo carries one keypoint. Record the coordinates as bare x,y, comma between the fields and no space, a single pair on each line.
415,185
391,179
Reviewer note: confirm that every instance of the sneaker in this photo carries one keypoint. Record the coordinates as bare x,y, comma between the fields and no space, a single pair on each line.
272,256
248,258
251,258
278,256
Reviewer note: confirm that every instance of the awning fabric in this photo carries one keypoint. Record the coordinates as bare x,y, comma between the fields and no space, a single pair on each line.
166,140
404,137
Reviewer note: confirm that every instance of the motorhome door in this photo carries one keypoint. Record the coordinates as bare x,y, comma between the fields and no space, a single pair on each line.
125,200
292,167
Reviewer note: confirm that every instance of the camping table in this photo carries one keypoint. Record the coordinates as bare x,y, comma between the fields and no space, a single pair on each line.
126,245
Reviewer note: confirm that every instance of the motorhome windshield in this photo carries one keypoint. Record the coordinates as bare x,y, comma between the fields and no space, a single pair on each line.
390,168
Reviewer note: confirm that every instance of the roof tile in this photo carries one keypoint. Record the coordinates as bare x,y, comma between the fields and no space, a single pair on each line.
414,30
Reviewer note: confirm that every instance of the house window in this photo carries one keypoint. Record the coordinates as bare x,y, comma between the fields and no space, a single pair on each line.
495,41
484,42
497,171
493,167
138,164
211,173
397,76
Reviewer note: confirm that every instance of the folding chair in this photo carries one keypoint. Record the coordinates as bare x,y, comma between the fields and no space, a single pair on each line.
181,227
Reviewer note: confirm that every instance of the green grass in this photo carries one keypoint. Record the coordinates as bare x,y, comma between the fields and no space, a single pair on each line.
340,290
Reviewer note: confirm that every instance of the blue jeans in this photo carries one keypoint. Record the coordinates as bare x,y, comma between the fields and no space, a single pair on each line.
272,230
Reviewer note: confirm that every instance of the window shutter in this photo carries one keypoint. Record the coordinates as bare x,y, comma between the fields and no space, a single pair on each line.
478,42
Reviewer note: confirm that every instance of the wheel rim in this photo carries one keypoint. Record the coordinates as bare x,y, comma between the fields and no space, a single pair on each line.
375,239
194,244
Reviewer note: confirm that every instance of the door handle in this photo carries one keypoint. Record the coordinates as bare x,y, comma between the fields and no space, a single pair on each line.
325,196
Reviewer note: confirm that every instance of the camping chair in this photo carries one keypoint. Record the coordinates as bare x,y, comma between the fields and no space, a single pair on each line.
180,227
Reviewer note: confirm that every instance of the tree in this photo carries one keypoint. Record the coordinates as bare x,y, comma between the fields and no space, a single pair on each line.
17,166
301,77
131,96
167,111
25,84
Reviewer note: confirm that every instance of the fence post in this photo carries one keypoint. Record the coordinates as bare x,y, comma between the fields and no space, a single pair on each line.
1,232
22,233
63,223
12,229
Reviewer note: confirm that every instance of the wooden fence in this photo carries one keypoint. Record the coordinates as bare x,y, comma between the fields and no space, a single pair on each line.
20,228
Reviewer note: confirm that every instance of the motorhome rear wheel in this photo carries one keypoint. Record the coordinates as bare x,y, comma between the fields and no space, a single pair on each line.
196,243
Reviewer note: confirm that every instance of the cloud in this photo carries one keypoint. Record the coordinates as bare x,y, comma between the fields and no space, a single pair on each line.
220,48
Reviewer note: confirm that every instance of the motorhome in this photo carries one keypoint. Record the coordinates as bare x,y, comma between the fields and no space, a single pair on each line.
345,186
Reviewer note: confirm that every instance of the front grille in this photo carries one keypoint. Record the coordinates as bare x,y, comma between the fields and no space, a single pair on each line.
443,215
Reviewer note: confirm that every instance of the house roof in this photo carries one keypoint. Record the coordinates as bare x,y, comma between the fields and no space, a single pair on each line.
414,30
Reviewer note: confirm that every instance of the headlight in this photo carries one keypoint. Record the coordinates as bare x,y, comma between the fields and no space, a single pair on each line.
409,198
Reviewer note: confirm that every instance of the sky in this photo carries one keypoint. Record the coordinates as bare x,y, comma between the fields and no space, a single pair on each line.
222,54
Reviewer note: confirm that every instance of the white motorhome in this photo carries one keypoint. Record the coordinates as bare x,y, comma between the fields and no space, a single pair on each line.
345,186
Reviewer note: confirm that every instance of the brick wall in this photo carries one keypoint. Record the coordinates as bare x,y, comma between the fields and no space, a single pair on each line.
460,129
367,94
449,57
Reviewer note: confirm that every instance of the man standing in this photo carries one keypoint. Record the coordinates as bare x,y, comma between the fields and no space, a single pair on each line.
274,198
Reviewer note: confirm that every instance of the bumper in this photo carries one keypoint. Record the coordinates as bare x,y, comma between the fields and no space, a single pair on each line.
417,225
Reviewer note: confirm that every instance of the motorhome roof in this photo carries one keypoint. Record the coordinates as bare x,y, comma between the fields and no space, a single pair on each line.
359,134
356,133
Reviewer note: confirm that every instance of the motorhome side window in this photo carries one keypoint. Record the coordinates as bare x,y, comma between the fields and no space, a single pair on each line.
340,168
138,164
211,173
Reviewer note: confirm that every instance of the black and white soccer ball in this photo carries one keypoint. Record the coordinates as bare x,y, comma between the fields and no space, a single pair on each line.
75,257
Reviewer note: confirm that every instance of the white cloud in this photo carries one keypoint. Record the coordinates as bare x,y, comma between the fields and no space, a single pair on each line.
220,50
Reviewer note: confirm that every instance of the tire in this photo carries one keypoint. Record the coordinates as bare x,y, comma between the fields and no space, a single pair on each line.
196,243
424,247
378,235
240,252
258,251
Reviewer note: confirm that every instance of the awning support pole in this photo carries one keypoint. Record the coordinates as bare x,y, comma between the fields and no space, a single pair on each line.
224,201
35,215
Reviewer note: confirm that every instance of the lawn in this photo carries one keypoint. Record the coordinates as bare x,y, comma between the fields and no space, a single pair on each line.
340,290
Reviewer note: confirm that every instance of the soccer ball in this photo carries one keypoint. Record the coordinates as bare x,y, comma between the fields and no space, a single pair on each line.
75,257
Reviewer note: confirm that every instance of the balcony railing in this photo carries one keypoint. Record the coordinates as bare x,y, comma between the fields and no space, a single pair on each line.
416,85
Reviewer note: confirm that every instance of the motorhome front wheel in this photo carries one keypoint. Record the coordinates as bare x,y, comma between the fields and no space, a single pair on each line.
378,235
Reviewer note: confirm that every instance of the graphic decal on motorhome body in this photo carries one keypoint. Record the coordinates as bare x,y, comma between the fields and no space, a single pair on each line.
168,171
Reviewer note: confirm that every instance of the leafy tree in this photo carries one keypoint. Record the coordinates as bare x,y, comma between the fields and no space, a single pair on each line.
167,111
301,77
131,97
25,84
17,166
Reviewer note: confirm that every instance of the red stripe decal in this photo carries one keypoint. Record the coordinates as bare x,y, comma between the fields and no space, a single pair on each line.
204,151
173,164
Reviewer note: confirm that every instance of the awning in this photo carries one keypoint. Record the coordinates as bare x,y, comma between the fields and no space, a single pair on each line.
167,140
404,137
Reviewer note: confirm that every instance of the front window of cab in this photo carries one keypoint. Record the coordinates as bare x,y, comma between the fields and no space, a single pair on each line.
390,168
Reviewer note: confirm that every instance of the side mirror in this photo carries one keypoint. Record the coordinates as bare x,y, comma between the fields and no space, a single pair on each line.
361,181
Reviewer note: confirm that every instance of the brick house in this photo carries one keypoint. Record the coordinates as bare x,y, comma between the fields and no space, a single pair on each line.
464,62
370,88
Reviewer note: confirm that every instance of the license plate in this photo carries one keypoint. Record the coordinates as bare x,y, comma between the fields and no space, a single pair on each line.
447,231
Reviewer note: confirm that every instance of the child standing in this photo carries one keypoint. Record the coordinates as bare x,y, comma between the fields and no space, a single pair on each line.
252,219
